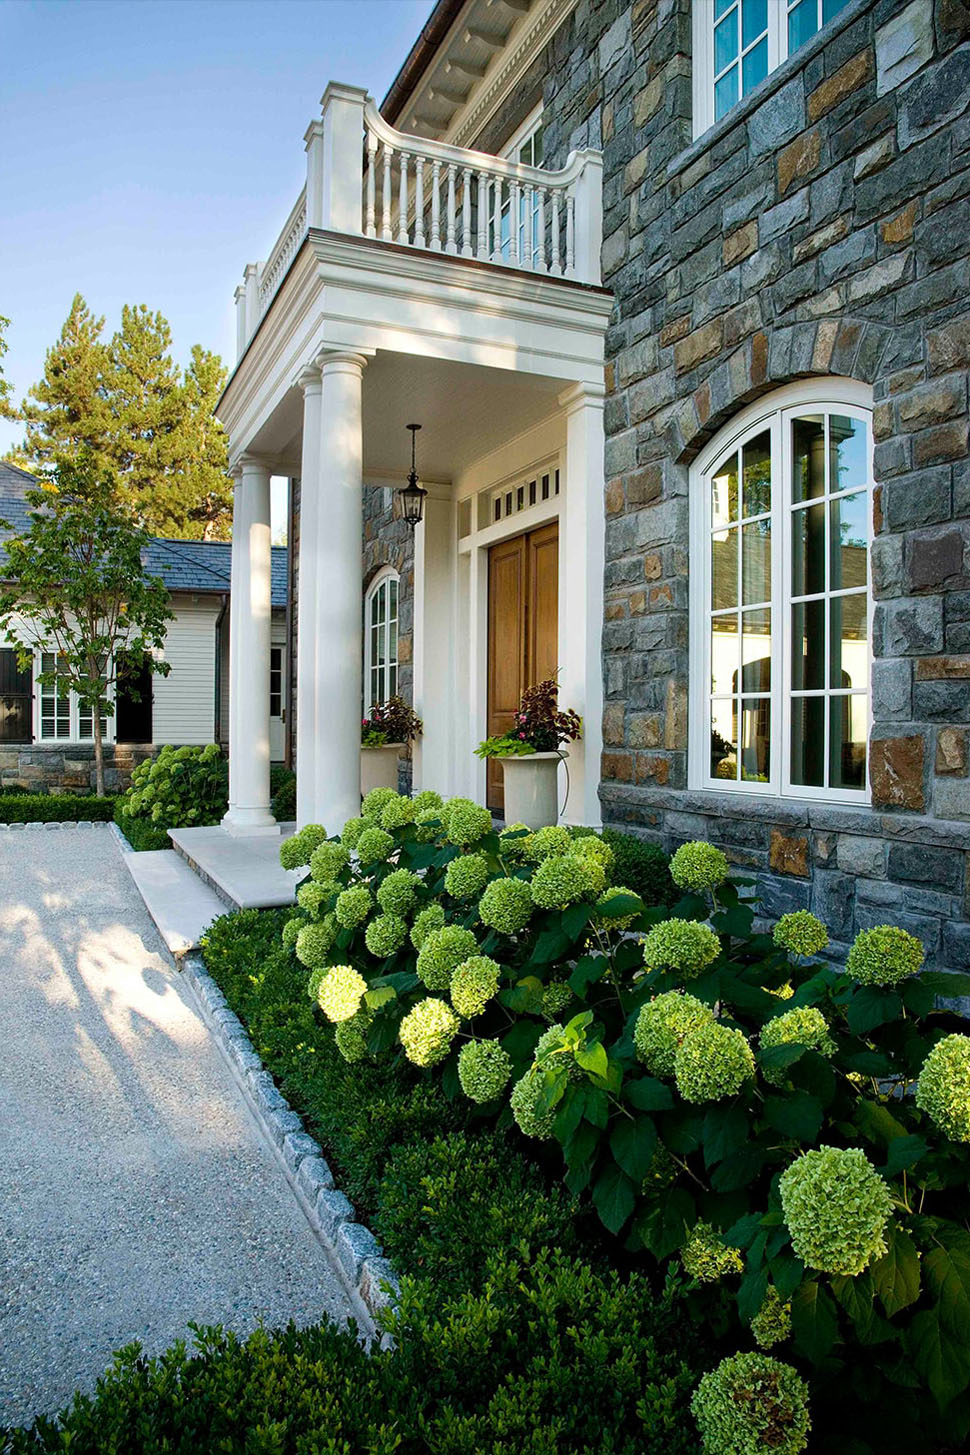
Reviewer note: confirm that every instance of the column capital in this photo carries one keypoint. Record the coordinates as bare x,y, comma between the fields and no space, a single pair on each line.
308,379
248,463
578,395
333,361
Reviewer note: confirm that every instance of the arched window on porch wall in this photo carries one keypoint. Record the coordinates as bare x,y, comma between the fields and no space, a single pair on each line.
381,613
781,520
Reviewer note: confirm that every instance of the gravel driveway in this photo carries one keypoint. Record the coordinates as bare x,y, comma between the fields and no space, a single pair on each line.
137,1191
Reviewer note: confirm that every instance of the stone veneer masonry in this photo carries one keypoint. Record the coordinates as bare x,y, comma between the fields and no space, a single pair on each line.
55,768
821,228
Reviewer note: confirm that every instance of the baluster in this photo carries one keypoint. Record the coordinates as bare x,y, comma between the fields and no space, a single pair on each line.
371,225
497,223
555,265
386,233
539,262
451,240
419,202
516,193
402,204
434,242
570,236
466,213
482,215
528,240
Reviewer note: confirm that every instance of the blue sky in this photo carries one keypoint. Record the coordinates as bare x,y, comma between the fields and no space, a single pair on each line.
152,147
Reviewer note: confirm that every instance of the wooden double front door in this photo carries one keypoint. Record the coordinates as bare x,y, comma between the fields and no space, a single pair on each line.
523,630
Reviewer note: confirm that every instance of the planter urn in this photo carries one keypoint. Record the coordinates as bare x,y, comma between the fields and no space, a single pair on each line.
532,788
378,767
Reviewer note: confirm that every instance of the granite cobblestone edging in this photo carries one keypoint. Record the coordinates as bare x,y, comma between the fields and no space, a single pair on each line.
370,1278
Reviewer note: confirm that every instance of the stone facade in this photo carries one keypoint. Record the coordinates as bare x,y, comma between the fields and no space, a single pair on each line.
47,768
821,228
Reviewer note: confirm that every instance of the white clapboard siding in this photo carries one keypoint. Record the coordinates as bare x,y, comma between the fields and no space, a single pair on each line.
184,701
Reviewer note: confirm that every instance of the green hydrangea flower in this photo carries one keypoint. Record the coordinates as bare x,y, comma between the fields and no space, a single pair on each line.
311,896
801,933
551,1051
427,1032
352,831
374,846
442,952
313,984
591,846
385,935
614,921
427,825
398,892
340,993
943,1089
427,801
884,955
546,843
513,842
706,1257
661,1026
313,944
803,1026
466,877
698,867
772,1323
327,860
473,984
555,997
426,920
375,802
484,1069
351,1037
396,813
506,906
353,906
531,1119
564,878
683,945
751,1404
836,1208
296,850
291,929
712,1061
465,822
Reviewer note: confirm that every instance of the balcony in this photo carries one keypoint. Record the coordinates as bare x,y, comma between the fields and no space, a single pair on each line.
366,180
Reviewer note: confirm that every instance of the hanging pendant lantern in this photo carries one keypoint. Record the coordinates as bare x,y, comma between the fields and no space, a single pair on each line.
412,496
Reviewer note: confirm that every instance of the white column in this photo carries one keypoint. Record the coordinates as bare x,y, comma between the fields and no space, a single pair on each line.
250,611
335,162
582,548
330,740
311,486
435,687
242,337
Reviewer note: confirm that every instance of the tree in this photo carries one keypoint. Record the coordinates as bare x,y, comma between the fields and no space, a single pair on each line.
6,409
127,406
75,586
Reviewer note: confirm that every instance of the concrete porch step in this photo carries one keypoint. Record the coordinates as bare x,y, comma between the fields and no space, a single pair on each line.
176,898
244,870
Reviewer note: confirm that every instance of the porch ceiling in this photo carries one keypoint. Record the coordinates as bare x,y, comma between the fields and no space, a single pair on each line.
465,410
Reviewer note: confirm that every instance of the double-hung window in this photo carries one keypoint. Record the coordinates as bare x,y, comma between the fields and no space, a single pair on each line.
524,146
738,42
781,511
380,640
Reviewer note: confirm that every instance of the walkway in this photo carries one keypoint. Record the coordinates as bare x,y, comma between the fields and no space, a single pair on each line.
137,1190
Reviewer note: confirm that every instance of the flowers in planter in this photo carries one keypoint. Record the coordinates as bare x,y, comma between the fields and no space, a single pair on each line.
539,726
390,722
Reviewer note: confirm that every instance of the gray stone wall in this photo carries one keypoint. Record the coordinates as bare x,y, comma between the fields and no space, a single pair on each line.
821,228
69,768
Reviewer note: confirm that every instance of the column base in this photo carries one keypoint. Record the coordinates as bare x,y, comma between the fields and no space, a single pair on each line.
242,821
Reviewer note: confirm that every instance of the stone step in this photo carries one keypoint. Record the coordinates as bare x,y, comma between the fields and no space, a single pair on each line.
176,898
244,870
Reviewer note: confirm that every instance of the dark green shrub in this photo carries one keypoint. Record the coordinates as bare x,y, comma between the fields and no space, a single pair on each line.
23,807
181,788
283,788
642,867
141,836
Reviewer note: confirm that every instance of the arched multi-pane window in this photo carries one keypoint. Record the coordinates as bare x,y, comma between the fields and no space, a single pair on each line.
380,640
781,522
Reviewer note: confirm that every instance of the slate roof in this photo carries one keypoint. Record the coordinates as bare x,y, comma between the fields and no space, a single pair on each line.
195,566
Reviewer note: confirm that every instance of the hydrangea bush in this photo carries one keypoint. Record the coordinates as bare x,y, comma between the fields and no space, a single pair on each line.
181,788
788,1141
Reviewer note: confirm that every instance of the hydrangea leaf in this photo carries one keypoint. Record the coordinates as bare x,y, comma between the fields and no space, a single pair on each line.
593,1059
726,1128
939,1355
812,991
947,1272
575,919
751,1293
787,1272
399,980
382,995
871,1006
777,1058
856,1296
587,971
570,1113
579,1148
918,997
798,1115
520,1041
661,1227
684,1130
649,1094
597,1107
946,982
815,1321
551,945
896,1275
619,905
877,1123
735,921
613,1197
524,996
738,1170
633,1143
904,1152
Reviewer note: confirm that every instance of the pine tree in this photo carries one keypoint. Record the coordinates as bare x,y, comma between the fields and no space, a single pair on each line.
66,413
6,409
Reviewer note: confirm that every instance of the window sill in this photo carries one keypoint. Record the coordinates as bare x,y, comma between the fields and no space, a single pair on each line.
771,83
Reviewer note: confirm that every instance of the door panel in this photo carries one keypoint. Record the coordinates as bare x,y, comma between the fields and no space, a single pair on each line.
523,630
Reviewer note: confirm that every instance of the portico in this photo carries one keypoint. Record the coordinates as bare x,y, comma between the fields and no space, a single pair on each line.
399,290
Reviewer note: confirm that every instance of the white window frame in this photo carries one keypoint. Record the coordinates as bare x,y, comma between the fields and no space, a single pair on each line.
528,129
774,412
74,707
380,582
703,20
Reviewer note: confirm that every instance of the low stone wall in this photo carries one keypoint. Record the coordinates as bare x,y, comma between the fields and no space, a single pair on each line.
69,767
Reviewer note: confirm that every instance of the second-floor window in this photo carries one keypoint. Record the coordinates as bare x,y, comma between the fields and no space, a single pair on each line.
524,146
737,43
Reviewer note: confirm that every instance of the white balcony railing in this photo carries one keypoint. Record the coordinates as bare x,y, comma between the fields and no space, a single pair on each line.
365,179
